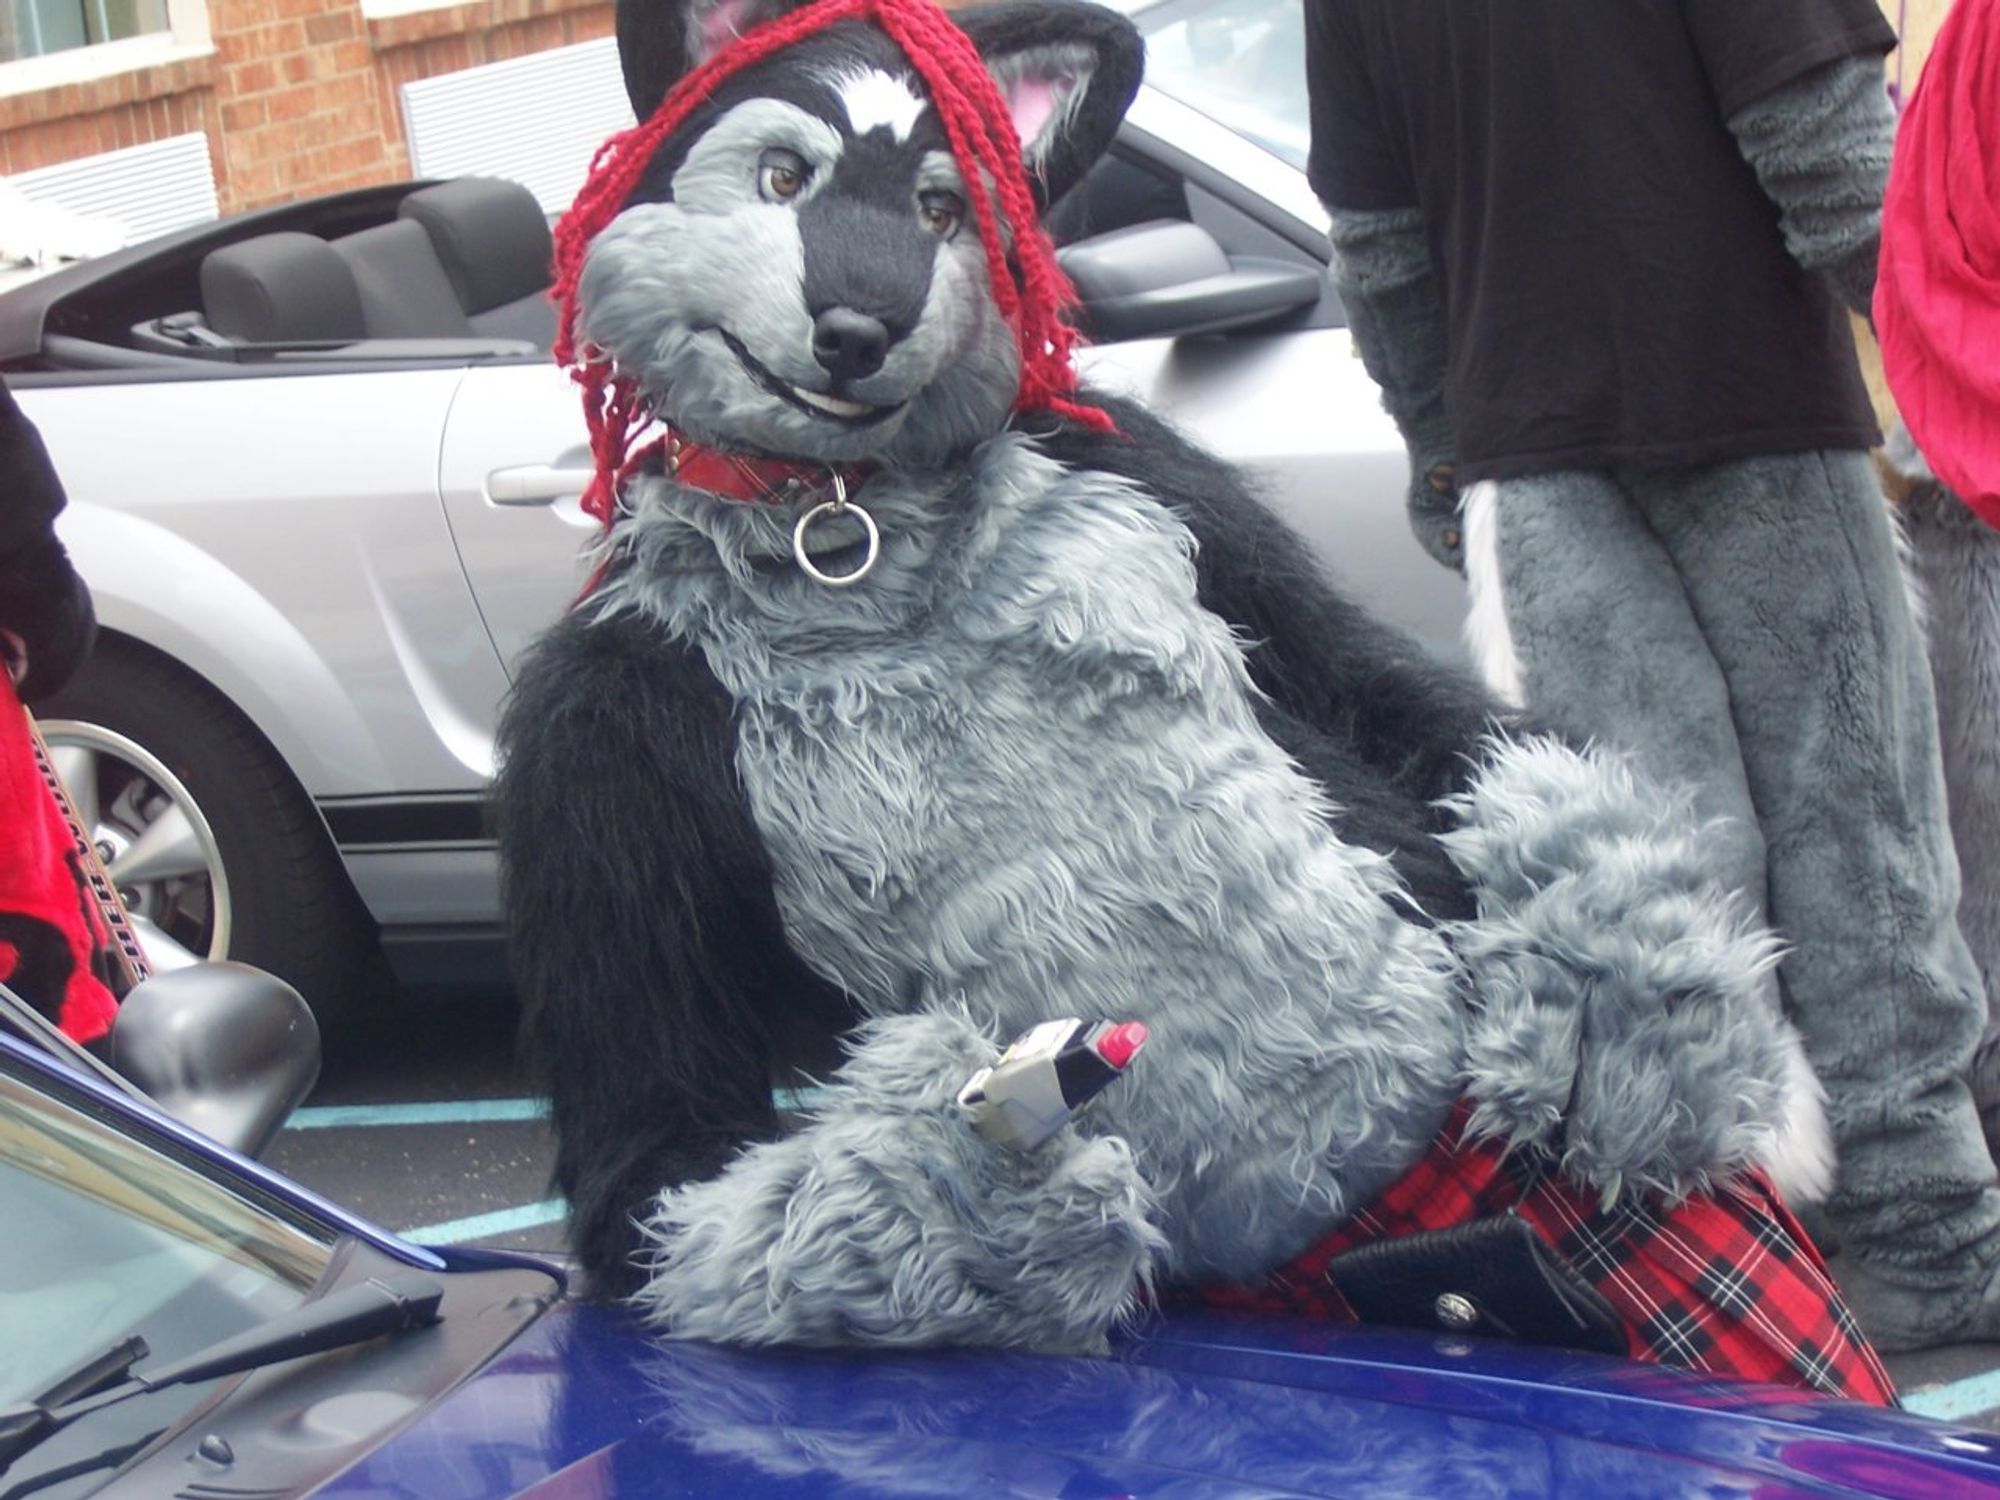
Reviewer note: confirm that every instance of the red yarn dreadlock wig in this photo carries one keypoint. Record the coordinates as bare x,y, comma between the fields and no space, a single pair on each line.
997,76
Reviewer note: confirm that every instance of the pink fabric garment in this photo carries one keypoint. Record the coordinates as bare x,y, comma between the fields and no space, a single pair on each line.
1937,293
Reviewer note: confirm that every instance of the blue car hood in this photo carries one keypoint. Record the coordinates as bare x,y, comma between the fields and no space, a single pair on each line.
585,1405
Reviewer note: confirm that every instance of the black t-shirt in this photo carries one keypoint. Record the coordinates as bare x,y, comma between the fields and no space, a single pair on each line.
42,599
1617,290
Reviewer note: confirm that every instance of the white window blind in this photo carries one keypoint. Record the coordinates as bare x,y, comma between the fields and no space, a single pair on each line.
536,119
143,190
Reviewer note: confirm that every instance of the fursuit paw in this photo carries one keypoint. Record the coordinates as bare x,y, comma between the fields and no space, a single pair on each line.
889,1221
1620,1018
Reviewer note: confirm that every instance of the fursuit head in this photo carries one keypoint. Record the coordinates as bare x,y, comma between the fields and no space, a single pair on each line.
922,697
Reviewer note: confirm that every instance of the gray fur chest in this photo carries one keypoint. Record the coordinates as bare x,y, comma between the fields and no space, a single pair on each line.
1019,770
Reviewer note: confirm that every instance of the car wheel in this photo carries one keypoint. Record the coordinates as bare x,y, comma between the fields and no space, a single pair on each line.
213,845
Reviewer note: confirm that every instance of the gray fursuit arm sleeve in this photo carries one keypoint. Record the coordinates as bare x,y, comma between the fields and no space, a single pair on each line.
1382,270
1820,147
1395,311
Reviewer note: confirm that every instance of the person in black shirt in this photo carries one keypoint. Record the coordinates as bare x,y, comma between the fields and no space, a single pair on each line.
1599,258
46,619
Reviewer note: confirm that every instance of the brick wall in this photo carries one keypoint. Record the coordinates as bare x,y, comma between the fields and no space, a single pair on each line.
47,126
298,96
299,101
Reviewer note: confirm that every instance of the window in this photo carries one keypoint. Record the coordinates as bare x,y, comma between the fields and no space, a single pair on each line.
1237,61
108,1236
34,28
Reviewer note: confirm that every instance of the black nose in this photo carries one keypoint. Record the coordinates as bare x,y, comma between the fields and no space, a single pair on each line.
849,345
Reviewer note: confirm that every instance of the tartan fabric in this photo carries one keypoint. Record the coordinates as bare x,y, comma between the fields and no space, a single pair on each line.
1726,1282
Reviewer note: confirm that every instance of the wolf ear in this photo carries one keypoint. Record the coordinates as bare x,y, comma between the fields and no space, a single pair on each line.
661,40
1068,70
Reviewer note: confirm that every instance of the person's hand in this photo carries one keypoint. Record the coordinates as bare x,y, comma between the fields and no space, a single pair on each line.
1433,506
15,650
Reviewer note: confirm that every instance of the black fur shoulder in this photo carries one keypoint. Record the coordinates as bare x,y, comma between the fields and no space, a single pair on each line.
618,808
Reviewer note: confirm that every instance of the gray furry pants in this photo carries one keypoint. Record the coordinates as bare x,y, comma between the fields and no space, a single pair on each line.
1955,562
1745,630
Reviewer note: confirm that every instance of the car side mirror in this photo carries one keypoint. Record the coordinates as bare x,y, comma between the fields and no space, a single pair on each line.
222,1047
1168,278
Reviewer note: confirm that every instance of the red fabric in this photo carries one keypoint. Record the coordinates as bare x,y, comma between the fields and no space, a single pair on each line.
1937,291
51,935
745,476
1033,294
1726,1282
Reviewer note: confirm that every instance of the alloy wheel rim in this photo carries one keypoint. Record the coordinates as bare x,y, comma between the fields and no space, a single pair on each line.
153,838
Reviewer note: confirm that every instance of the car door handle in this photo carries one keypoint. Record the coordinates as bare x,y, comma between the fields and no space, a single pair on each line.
535,484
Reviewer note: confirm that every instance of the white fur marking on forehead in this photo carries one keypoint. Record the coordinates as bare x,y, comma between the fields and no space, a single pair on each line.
874,99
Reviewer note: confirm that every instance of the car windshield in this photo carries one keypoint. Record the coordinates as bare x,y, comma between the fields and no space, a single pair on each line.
107,1237
1240,62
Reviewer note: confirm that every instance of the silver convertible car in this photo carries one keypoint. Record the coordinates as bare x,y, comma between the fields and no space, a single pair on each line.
324,484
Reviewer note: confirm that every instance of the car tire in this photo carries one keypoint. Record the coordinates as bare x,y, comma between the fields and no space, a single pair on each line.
240,865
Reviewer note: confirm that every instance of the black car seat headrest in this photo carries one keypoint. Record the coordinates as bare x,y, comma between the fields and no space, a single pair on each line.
492,237
282,288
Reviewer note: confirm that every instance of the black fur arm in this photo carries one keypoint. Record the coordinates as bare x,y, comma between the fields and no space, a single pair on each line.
644,936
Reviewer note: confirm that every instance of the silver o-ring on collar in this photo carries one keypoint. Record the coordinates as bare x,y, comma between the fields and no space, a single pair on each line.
838,505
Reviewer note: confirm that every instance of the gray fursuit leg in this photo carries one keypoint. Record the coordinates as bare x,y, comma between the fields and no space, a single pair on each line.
1607,648
1954,559
1789,572
1600,641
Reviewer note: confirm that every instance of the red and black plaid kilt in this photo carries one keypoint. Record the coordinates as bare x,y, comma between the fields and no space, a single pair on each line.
1726,1282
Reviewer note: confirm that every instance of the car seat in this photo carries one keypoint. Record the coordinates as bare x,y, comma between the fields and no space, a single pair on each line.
282,288
492,237
404,291
289,288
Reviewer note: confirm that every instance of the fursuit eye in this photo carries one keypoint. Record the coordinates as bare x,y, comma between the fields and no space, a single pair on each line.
941,213
781,175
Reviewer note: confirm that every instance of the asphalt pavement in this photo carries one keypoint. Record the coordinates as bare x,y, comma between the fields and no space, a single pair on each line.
424,1122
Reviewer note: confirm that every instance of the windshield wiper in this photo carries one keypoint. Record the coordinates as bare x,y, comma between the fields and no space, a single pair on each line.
392,1304
85,1378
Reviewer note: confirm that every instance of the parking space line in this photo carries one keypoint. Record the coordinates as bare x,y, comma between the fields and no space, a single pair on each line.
462,1111
436,1112
472,1112
1956,1400
479,1226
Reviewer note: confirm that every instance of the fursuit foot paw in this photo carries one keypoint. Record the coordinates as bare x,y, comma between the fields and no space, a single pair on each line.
890,1221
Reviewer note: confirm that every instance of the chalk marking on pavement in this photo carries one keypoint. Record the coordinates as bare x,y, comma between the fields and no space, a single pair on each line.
478,1226
1956,1399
